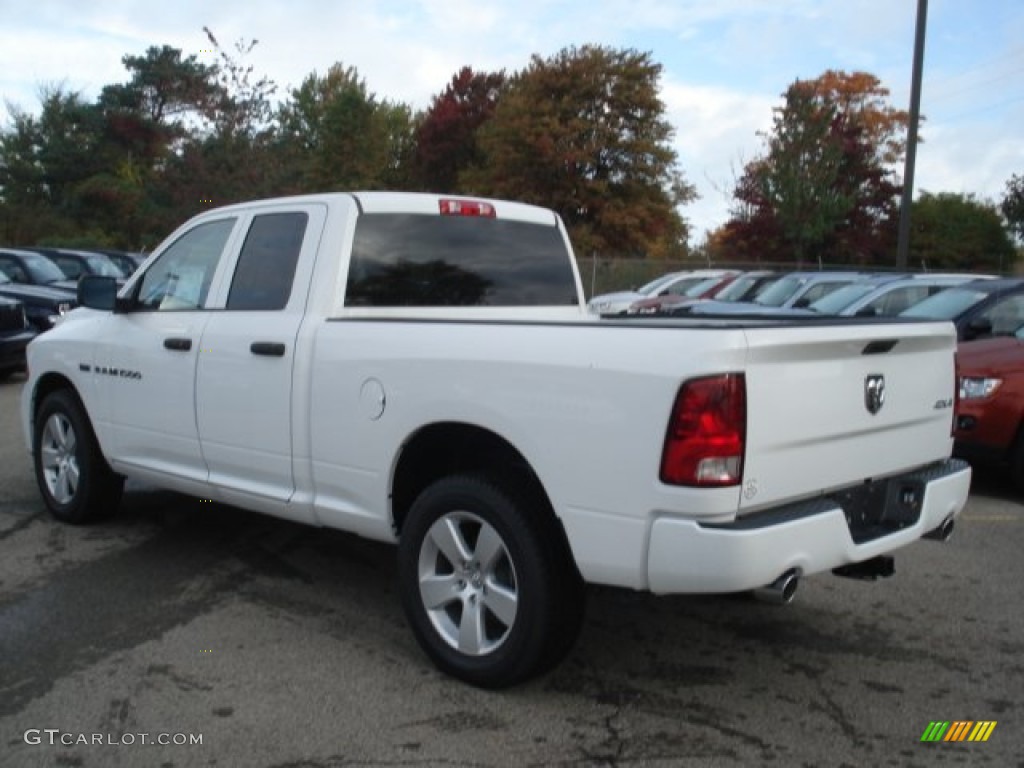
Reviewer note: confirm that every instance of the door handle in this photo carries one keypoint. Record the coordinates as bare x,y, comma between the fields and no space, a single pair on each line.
179,345
267,348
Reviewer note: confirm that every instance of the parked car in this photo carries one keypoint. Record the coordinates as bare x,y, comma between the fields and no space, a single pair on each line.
707,288
885,295
673,283
978,309
795,289
15,334
126,261
990,416
28,267
74,263
748,285
42,305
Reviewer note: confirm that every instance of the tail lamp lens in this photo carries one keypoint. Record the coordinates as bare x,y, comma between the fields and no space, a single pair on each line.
706,433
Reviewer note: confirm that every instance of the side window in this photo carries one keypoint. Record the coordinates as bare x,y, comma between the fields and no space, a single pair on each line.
69,267
1006,316
180,278
13,270
818,291
897,300
266,266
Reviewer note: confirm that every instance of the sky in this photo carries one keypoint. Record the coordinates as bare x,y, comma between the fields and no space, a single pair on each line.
725,63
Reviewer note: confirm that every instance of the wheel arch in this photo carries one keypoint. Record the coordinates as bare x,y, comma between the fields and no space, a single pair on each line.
54,381
46,385
442,449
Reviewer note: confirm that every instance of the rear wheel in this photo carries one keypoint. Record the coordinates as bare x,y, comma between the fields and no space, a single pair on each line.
482,583
73,477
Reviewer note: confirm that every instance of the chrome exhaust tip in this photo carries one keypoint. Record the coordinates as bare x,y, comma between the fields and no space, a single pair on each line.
943,532
781,591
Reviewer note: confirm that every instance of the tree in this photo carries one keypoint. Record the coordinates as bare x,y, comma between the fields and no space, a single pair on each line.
236,157
243,107
1012,205
446,143
824,186
44,161
955,231
338,135
584,132
148,113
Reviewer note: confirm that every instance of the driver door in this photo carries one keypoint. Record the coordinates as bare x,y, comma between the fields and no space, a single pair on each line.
147,374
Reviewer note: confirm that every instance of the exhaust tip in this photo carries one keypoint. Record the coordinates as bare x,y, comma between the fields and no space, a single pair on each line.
943,532
781,591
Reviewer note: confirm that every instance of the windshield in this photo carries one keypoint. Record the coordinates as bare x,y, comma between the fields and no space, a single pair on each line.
779,292
735,290
701,286
945,305
651,288
43,270
841,298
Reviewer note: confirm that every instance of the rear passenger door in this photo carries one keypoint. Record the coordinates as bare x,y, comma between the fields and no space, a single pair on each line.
244,388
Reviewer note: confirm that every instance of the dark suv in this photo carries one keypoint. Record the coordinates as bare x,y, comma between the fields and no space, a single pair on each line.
15,335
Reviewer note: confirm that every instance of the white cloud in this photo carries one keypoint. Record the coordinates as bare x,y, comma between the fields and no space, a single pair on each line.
716,135
726,63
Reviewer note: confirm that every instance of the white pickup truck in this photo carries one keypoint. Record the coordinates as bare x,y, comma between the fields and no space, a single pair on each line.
422,369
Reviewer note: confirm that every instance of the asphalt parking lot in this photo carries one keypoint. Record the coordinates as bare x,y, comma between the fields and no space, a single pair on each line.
275,645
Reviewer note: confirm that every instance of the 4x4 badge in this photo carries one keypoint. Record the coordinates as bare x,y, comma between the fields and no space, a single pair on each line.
874,392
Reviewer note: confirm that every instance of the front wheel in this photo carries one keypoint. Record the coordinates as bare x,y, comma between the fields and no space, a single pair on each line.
73,477
481,582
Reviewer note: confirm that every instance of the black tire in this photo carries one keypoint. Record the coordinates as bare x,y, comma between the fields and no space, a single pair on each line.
74,479
503,612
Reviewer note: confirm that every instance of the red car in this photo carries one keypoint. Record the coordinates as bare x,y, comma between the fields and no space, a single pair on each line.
669,300
990,416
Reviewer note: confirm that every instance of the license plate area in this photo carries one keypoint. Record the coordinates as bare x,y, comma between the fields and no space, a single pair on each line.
879,508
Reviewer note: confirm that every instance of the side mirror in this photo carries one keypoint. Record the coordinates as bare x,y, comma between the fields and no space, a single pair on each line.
866,312
97,292
802,303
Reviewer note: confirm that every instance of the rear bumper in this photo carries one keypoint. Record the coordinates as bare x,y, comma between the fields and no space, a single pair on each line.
689,557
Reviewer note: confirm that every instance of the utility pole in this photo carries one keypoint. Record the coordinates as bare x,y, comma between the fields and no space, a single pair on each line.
903,246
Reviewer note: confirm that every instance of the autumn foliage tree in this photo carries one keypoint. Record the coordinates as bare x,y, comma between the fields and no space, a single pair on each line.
824,189
584,132
445,140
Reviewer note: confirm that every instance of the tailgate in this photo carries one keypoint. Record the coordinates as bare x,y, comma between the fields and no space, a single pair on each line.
830,406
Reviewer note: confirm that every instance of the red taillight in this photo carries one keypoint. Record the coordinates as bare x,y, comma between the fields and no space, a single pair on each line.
706,433
467,208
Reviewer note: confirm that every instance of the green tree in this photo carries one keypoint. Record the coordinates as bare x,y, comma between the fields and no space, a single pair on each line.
584,132
236,156
1012,205
45,160
955,231
336,134
824,186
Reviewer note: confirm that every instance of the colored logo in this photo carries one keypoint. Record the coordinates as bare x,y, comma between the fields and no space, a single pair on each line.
958,730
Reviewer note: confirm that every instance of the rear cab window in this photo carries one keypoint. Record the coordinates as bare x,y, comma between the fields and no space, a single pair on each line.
432,260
